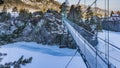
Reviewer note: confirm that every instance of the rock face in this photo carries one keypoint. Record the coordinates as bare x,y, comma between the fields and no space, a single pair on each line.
45,28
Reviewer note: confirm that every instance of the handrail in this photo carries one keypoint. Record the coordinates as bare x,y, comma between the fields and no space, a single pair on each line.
93,49
102,39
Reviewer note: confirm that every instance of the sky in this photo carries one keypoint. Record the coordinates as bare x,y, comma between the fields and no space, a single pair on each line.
114,4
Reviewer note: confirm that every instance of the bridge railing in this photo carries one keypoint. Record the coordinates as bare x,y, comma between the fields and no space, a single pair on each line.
93,58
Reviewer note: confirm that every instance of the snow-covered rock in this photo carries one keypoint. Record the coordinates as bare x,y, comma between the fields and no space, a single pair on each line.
44,28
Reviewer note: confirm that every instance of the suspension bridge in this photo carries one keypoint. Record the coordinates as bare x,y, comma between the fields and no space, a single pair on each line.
92,57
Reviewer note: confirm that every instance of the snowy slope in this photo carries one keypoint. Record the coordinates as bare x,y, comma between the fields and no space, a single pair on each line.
43,56
114,38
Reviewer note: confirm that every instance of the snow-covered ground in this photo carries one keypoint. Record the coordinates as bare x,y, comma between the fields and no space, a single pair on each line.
114,38
43,56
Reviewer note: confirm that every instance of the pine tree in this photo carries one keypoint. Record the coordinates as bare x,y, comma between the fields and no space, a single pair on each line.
89,13
78,14
99,26
88,16
71,14
4,15
118,12
93,21
4,8
24,14
14,9
75,14
111,13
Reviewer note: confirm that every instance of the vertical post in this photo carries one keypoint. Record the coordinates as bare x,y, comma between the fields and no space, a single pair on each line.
105,31
96,31
105,8
96,8
108,7
108,34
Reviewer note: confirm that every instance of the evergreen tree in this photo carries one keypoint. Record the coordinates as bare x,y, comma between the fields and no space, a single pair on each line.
93,21
75,15
88,16
89,13
4,16
78,15
15,9
71,14
111,13
118,12
4,8
99,25
24,14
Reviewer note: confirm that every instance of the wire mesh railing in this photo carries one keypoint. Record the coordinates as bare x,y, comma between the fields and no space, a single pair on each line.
92,56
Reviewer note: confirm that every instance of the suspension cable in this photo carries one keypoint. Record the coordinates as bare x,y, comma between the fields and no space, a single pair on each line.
99,50
105,34
71,59
78,3
97,32
90,6
102,39
108,34
105,8
109,56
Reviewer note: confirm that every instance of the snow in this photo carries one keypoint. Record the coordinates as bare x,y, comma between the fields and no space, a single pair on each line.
14,14
115,14
114,38
44,56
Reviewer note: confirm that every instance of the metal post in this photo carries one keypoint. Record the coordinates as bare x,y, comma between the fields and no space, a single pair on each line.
108,33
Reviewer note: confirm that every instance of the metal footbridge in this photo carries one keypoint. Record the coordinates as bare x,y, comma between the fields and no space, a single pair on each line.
90,55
